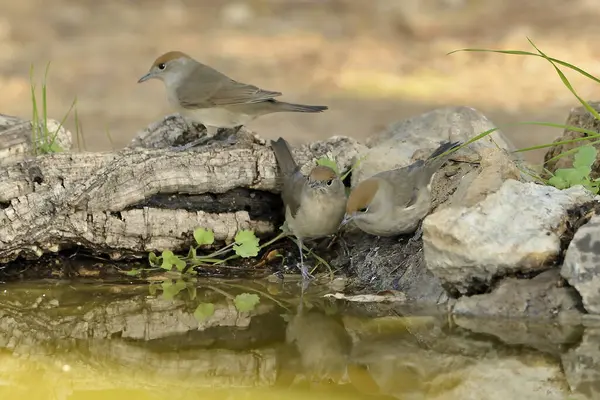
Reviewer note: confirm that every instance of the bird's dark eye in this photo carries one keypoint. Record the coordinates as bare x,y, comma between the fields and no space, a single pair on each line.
161,66
329,182
363,210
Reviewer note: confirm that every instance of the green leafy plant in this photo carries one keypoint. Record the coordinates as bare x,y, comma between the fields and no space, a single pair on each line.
245,245
579,174
44,139
328,162
565,177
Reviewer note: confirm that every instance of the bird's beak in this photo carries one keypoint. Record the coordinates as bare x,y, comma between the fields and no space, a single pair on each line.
144,78
347,218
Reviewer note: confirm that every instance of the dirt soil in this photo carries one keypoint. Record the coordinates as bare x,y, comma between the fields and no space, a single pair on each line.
372,63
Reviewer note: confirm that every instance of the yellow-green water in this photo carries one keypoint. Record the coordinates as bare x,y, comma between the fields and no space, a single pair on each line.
72,341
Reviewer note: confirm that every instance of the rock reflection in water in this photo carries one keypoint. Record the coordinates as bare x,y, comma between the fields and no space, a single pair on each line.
91,342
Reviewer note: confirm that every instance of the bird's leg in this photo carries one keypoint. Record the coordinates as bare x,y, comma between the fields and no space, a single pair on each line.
418,234
332,241
305,274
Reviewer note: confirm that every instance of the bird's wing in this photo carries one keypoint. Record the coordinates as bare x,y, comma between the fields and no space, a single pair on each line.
292,191
405,181
409,181
217,89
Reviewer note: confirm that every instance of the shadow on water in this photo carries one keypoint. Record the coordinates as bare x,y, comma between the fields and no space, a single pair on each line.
70,341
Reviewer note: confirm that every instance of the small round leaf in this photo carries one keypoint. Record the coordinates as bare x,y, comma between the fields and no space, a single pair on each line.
204,236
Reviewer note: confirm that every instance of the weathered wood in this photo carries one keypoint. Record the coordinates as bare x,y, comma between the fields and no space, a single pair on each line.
136,200
16,138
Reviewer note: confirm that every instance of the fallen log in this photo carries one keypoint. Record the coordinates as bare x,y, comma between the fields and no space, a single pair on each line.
146,197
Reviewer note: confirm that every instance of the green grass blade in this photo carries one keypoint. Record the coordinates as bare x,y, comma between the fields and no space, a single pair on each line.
513,52
591,135
566,153
61,124
547,145
468,142
110,139
34,109
45,134
574,68
527,53
561,126
566,82
79,130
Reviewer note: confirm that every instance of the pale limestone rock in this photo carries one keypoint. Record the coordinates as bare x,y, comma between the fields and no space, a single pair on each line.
581,266
415,138
515,230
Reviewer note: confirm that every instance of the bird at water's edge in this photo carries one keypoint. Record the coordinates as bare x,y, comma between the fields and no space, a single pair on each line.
314,205
204,95
394,202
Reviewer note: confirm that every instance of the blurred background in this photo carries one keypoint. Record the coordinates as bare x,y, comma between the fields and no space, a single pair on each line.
372,62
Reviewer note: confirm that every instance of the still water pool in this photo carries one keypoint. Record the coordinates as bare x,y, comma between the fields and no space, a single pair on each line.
92,341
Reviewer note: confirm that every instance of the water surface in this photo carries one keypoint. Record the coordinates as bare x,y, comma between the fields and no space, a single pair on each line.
70,341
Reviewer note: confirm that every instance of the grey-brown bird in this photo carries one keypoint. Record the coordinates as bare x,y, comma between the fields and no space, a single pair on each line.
314,204
206,96
394,202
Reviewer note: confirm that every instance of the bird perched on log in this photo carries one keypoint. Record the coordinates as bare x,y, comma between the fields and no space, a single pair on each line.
206,96
314,204
394,202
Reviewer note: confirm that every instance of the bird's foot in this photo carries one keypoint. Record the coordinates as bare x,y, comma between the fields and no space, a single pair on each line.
306,276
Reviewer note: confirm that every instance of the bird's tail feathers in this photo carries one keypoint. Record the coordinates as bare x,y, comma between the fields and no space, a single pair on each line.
283,106
444,147
435,162
284,156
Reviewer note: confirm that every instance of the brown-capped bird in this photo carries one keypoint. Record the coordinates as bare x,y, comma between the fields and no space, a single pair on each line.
394,202
206,96
314,204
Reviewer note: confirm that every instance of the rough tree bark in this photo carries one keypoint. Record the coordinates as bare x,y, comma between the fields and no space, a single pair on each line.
145,197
